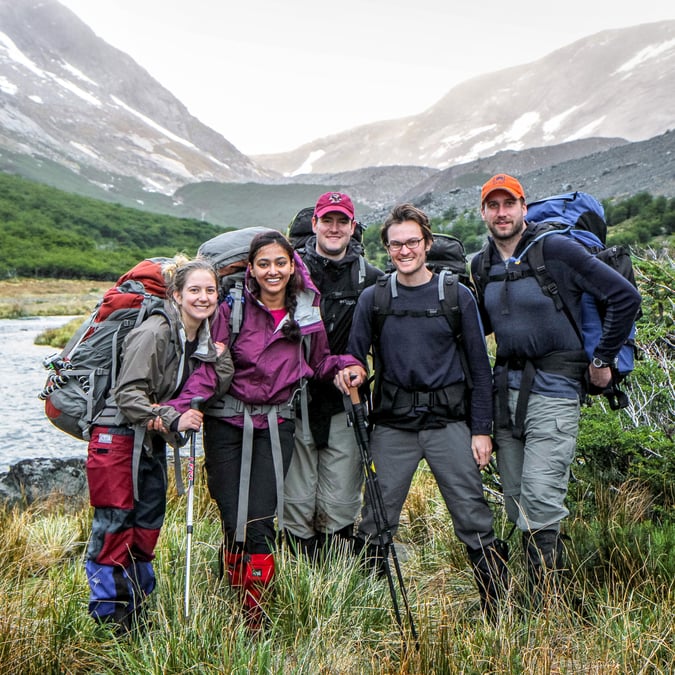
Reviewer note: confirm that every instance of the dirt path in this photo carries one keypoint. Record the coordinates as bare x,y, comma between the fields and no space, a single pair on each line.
43,297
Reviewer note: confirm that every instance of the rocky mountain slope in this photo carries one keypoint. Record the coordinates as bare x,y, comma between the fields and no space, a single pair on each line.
77,114
616,172
68,97
617,83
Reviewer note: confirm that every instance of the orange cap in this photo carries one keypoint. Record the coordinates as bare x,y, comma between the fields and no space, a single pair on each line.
502,181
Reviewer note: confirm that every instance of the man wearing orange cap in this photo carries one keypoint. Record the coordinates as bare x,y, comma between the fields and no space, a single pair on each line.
540,365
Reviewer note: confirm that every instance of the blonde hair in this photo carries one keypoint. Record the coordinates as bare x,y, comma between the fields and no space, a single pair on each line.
177,269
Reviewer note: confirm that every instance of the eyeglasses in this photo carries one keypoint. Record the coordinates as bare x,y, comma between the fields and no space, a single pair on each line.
412,244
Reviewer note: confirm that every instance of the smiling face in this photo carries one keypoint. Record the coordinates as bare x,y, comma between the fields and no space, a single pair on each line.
333,231
408,252
197,299
272,268
504,215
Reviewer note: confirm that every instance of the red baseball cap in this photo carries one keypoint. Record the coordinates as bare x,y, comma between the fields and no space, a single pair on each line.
334,201
502,181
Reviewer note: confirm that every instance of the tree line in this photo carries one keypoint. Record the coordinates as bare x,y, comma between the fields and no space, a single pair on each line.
54,234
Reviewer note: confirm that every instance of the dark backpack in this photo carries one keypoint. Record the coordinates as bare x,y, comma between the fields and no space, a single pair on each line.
580,216
82,375
447,253
300,230
448,295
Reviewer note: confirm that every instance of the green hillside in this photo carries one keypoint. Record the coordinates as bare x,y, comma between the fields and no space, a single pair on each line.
46,232
49,233
223,204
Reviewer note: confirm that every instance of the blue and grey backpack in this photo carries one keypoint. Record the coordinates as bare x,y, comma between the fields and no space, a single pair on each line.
582,217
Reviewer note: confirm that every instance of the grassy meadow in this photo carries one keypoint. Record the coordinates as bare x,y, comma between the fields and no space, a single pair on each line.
615,619
334,618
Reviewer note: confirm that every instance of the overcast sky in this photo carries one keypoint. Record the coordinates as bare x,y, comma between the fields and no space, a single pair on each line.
270,75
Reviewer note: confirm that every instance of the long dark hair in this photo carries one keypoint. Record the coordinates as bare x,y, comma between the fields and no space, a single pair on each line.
291,329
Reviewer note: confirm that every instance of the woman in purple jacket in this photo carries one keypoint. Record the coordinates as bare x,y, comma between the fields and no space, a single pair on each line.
249,431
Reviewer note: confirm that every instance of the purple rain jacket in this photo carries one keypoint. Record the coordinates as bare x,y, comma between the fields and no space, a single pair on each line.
268,367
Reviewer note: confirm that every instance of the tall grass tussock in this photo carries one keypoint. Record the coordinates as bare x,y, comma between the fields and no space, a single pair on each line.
615,616
333,617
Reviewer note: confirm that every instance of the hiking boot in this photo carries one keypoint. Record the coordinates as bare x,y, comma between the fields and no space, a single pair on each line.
492,576
234,567
258,575
544,561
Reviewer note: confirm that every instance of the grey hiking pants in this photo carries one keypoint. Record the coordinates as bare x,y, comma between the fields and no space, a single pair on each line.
447,451
535,470
322,490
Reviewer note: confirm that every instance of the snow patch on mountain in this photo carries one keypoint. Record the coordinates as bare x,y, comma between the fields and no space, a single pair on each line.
151,123
306,166
644,55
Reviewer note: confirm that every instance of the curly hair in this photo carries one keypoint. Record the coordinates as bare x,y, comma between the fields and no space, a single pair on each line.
291,329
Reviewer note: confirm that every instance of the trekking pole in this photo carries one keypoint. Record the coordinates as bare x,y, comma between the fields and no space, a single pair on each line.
356,418
195,404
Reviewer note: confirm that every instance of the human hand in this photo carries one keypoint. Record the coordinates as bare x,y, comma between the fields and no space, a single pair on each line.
481,446
350,377
155,423
190,419
600,377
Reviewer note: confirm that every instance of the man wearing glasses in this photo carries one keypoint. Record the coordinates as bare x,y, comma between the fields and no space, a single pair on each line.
425,405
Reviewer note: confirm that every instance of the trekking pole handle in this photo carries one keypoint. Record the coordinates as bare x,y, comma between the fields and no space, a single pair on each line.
196,402
354,391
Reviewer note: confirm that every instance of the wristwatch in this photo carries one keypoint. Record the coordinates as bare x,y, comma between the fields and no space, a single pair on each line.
599,363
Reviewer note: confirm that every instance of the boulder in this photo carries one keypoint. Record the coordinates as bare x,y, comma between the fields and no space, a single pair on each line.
32,480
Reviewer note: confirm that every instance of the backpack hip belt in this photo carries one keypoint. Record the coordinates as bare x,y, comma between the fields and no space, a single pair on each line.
233,407
448,402
229,406
570,364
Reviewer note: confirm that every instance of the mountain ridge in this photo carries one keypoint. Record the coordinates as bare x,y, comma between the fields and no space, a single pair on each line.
563,96
82,116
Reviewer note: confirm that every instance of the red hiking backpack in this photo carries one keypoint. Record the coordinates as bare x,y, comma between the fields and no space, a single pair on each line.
82,375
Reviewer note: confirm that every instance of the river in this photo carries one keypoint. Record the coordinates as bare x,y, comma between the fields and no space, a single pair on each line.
25,432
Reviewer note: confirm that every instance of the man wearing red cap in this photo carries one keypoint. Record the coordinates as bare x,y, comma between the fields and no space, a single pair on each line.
541,365
322,490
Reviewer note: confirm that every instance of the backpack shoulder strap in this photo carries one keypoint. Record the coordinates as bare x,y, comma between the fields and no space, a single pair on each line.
236,296
534,254
385,290
448,295
362,274
482,271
